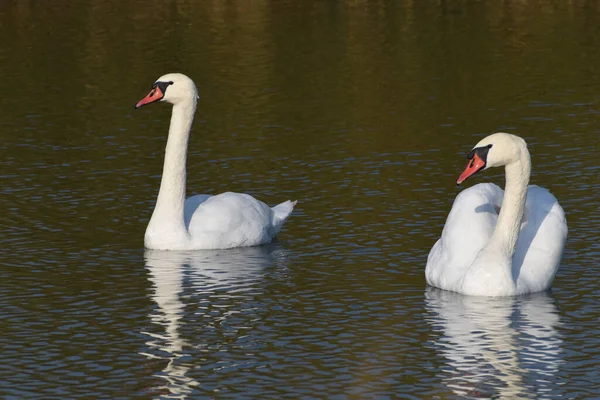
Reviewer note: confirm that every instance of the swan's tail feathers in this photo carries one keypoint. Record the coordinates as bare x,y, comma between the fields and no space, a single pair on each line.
281,212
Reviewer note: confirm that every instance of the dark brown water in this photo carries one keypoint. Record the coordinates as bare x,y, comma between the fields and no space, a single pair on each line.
363,112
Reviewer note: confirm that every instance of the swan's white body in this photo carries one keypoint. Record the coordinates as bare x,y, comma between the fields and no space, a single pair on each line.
489,253
201,222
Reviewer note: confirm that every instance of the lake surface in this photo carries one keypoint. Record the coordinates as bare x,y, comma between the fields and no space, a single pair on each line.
361,111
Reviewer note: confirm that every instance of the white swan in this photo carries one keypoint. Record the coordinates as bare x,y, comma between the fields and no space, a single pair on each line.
484,252
201,222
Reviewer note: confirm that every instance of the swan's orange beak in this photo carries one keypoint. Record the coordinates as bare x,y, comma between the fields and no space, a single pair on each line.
155,95
475,164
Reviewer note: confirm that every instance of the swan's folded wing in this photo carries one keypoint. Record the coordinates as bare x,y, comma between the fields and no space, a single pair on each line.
231,219
468,228
191,205
541,242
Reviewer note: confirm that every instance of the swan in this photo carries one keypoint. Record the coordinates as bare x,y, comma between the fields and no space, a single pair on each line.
494,242
200,222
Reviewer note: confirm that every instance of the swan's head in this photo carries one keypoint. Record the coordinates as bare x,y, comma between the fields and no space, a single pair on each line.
496,150
173,88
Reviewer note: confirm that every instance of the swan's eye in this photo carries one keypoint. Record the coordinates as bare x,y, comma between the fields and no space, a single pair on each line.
161,87
480,151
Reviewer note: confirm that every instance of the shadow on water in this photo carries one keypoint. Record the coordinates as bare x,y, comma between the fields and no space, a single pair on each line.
507,347
180,278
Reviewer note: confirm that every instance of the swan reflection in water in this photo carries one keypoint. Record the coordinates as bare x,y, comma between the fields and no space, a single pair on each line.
202,274
506,346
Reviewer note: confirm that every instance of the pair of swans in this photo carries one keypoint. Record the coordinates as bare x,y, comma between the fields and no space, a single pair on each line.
482,251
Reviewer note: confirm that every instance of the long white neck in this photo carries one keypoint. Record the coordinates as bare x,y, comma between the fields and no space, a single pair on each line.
508,226
490,274
168,212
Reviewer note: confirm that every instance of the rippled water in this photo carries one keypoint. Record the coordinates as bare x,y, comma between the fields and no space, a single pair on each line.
361,111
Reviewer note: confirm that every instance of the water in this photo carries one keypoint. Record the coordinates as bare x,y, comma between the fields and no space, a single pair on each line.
361,111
